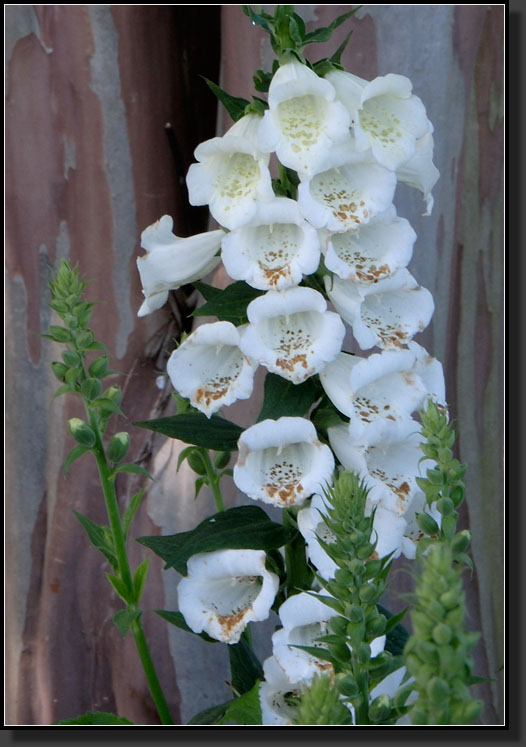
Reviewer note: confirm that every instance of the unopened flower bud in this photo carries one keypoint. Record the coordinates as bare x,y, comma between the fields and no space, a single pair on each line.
442,634
438,690
461,541
221,459
356,614
450,599
348,686
338,625
466,713
368,593
377,625
118,446
427,524
195,461
82,432
380,708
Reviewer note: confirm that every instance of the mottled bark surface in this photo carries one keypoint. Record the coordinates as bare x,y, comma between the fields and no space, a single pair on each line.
89,166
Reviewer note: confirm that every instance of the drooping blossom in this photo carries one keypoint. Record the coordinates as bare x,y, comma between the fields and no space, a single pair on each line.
209,368
232,174
224,591
274,249
291,333
171,262
304,120
282,462
388,313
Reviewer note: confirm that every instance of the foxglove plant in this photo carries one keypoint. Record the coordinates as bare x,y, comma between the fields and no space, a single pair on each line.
314,254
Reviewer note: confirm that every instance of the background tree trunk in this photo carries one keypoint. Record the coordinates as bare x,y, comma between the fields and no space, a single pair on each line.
89,166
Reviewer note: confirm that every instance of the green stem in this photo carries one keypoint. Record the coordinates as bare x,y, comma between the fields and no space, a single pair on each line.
112,507
213,480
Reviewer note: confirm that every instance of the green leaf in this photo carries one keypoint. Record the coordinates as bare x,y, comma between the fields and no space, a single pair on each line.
245,710
59,334
177,619
397,635
318,653
209,716
99,718
120,587
243,527
139,577
245,667
98,538
325,33
207,291
195,428
131,511
134,469
235,106
75,453
230,304
124,618
282,397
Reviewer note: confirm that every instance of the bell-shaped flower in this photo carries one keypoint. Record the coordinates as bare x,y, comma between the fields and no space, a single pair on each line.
224,591
387,117
311,526
232,174
209,368
304,618
388,313
389,467
282,462
377,393
276,695
372,252
304,120
430,371
291,333
420,171
275,249
348,194
171,261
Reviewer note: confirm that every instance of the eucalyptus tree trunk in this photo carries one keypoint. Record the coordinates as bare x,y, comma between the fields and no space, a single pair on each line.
90,164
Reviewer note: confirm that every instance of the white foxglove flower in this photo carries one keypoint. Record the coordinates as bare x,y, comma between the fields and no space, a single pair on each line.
348,194
275,249
431,372
413,534
291,333
224,591
304,618
387,117
282,462
209,368
171,261
377,393
311,526
232,174
304,120
372,252
389,467
388,313
420,171
273,695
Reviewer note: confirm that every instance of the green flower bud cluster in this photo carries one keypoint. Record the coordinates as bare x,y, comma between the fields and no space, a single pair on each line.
442,486
67,300
358,584
320,704
437,655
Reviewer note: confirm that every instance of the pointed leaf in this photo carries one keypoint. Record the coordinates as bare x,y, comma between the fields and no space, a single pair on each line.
319,653
230,304
245,710
131,511
195,428
124,618
139,578
99,718
75,453
177,619
235,106
98,538
244,527
283,397
120,587
245,667
209,716
135,469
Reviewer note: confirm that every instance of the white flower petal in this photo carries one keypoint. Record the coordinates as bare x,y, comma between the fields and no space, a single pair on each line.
311,526
282,462
388,313
291,333
275,711
347,195
420,171
389,466
303,120
172,261
304,618
372,252
431,372
232,174
275,249
209,368
225,590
